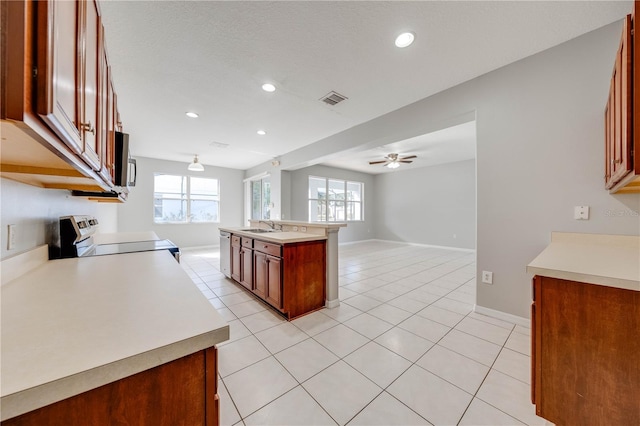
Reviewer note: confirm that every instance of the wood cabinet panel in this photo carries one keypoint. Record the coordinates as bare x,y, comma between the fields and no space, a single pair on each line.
236,259
290,277
89,91
57,61
619,112
261,274
246,267
268,248
586,346
55,84
274,281
181,392
622,118
304,277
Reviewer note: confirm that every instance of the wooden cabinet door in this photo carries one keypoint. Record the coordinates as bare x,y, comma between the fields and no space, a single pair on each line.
246,277
274,281
261,275
618,112
235,262
58,65
586,349
104,103
89,94
110,142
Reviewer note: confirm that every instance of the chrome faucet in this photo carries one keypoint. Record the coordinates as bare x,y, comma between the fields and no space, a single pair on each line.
269,223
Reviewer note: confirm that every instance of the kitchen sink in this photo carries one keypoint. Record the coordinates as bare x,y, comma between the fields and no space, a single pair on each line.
259,230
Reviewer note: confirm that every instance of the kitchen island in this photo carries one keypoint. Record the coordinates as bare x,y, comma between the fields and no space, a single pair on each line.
285,269
328,230
585,330
86,340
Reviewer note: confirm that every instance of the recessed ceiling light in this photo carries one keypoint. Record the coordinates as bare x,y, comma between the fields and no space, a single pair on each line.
192,115
268,87
405,39
261,132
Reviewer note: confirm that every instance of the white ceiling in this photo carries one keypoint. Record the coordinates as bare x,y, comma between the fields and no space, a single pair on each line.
212,57
457,143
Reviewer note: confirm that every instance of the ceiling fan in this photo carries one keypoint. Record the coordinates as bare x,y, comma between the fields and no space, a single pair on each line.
392,161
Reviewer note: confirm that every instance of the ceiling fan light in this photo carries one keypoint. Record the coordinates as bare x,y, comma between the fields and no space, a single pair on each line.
393,165
196,166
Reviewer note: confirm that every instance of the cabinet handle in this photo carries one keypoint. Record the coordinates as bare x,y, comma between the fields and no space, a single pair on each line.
88,127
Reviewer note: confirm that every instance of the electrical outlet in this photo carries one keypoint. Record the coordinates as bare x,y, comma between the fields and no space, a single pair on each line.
581,212
11,237
487,277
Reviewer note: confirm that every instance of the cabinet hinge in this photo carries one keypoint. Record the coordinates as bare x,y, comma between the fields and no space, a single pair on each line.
35,72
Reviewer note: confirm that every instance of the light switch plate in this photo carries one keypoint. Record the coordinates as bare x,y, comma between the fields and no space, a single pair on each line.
581,212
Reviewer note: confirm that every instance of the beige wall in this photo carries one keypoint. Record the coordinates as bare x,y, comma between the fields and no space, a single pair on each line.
35,212
540,152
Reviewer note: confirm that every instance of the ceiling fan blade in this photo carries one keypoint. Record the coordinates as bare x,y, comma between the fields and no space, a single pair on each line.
405,161
377,162
409,157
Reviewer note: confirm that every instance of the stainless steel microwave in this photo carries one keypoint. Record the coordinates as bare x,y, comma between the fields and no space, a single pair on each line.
125,166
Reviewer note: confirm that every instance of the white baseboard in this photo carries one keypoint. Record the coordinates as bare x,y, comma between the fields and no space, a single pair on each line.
193,248
332,303
466,250
525,322
348,243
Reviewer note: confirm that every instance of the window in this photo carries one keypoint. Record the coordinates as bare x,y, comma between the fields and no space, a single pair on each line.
261,198
185,199
334,200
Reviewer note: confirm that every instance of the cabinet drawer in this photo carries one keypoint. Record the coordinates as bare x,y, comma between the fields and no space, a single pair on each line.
247,242
235,241
272,249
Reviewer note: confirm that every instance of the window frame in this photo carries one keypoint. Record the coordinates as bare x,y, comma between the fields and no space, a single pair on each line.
263,208
327,200
187,197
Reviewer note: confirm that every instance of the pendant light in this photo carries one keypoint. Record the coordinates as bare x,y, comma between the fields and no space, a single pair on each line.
196,166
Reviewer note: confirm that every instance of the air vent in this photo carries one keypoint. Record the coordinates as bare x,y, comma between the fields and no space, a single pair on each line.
333,98
219,145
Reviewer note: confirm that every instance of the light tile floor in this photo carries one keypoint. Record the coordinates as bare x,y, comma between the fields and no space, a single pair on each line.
403,348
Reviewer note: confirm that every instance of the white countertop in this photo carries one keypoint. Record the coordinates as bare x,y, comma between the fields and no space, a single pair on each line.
278,237
124,237
324,225
72,325
608,260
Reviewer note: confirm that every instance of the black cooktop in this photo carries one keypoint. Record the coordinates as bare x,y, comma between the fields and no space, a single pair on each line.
131,247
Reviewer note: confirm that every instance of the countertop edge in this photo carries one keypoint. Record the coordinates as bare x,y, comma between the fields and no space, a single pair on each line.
265,236
37,397
585,278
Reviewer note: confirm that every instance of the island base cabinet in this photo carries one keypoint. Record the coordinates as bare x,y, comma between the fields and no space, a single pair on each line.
585,346
291,277
180,392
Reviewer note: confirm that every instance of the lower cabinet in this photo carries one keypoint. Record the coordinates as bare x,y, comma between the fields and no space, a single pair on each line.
242,261
180,392
585,347
268,275
291,277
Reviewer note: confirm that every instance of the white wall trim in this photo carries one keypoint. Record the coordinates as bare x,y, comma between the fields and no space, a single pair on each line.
330,304
466,250
348,243
194,248
525,322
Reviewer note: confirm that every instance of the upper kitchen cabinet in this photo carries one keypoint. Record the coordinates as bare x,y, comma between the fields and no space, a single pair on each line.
59,109
622,116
